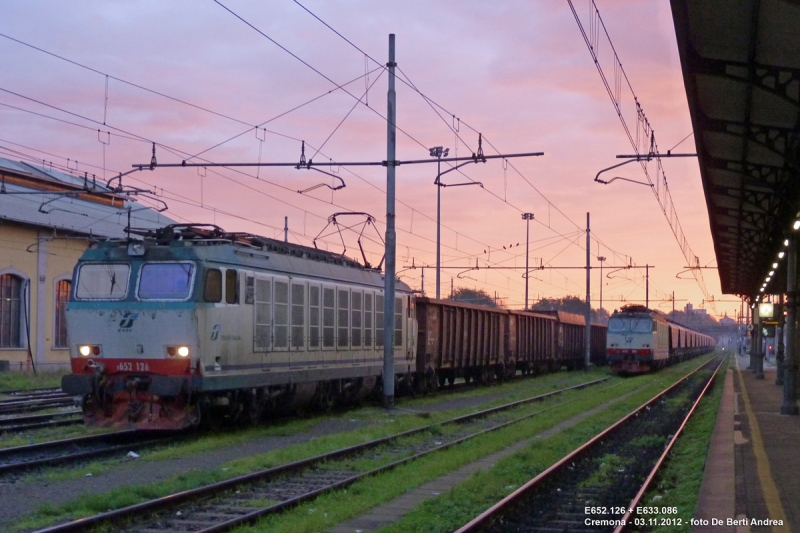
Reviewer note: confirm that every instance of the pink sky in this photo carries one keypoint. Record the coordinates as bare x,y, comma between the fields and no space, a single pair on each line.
518,72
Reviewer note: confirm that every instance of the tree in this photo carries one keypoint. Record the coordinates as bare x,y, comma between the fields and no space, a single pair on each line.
570,304
472,296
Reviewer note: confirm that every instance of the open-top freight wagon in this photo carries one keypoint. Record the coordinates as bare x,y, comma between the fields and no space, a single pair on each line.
481,343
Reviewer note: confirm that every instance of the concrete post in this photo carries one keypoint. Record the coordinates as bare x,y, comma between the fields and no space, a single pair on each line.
389,272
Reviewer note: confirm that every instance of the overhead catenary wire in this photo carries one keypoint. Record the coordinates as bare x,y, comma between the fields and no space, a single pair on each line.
139,138
214,112
187,103
148,141
162,145
645,136
410,232
432,103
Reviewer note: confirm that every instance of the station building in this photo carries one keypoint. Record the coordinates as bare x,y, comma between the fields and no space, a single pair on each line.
47,219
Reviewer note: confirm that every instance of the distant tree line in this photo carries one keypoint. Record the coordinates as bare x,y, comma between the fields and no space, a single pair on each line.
472,296
570,304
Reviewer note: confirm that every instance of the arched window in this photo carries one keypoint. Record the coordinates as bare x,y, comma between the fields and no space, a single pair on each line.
10,311
63,288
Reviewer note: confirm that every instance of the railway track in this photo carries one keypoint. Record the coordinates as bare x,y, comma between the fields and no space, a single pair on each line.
34,402
24,423
599,486
16,460
227,504
30,392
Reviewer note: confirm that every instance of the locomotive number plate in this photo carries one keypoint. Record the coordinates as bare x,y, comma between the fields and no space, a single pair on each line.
128,366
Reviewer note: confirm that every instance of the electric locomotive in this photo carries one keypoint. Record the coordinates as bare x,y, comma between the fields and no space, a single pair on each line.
640,340
192,322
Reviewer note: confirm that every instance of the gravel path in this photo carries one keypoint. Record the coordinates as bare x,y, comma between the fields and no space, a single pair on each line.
21,498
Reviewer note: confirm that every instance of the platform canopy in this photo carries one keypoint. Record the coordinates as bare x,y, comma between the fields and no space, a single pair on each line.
741,69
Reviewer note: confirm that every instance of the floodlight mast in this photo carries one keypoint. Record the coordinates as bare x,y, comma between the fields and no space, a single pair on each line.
439,152
527,217
587,338
602,258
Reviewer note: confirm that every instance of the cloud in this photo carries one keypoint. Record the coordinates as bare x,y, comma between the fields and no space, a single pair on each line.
518,72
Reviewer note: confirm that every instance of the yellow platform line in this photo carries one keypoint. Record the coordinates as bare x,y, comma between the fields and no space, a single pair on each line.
771,496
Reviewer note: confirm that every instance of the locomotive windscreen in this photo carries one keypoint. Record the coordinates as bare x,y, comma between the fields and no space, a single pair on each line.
636,325
103,281
166,281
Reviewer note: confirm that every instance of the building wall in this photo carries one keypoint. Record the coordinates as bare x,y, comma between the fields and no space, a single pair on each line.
41,259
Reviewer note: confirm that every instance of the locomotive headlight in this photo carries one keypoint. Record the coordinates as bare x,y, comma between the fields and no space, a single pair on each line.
183,351
85,350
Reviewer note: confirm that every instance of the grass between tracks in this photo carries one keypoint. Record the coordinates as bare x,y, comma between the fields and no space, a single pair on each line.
379,424
37,436
27,381
450,510
678,483
445,513
335,507
367,416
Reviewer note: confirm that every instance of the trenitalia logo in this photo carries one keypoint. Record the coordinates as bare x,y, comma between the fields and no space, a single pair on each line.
215,332
127,321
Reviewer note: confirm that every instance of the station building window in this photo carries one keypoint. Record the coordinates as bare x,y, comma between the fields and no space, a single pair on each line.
10,311
63,288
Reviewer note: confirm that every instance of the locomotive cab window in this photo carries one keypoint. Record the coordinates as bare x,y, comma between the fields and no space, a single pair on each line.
106,281
166,281
231,287
616,325
635,325
212,288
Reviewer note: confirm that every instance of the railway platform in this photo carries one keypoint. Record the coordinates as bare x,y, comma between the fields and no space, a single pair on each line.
754,459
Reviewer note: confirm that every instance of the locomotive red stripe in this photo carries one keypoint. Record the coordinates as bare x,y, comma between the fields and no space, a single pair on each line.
163,367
